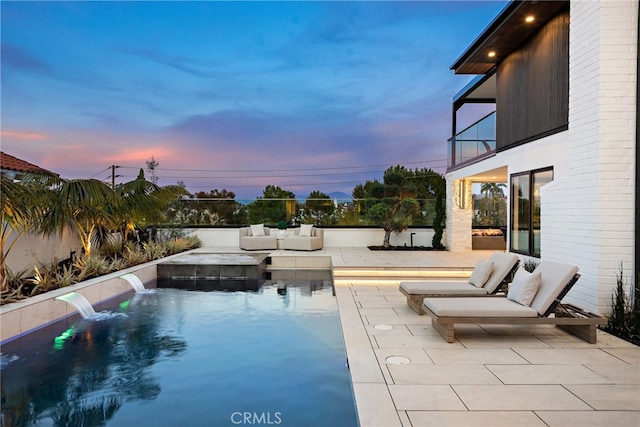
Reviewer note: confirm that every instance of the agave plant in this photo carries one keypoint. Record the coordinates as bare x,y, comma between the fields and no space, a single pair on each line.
191,242
182,244
154,250
66,276
43,279
15,284
91,266
118,264
133,255
175,245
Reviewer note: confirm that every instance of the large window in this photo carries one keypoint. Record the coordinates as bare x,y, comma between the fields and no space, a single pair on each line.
526,210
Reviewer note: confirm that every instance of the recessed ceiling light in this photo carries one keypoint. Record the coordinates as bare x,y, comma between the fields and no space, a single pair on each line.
529,19
491,54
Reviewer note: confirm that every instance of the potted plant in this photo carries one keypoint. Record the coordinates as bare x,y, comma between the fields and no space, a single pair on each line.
282,227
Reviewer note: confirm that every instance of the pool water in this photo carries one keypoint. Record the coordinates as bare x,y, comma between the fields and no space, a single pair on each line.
169,357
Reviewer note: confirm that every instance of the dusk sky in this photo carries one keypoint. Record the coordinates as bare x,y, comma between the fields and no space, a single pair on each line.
237,95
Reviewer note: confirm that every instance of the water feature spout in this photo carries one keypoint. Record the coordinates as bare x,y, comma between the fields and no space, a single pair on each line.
134,281
79,302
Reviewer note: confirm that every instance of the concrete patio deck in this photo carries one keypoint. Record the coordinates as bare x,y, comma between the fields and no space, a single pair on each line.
405,374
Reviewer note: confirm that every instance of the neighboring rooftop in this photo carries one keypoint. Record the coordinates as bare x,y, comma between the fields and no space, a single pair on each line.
9,163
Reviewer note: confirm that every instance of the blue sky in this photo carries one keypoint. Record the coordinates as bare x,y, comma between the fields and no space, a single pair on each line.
236,95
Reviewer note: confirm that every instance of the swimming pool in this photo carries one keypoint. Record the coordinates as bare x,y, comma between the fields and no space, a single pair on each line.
169,357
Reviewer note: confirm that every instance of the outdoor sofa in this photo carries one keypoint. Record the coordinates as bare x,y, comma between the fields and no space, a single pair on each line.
257,237
304,238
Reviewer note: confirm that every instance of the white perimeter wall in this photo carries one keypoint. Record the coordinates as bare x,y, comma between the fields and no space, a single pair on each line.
333,237
32,250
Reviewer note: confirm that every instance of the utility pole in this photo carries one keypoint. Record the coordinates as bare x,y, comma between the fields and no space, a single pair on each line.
113,176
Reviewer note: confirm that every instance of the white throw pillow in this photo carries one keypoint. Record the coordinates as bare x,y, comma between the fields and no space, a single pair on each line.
524,287
305,230
481,273
257,230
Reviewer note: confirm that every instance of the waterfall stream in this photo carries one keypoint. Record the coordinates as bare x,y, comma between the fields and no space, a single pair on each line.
79,302
134,281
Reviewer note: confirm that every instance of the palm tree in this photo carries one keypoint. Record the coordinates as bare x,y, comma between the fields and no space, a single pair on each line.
84,206
494,189
46,204
142,201
22,205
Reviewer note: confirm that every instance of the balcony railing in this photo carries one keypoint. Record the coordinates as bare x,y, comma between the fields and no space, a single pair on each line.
476,141
271,212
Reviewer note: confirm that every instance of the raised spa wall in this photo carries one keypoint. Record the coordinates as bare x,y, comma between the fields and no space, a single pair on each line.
20,318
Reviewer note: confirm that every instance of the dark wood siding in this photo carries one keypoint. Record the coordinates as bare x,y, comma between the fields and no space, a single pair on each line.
533,87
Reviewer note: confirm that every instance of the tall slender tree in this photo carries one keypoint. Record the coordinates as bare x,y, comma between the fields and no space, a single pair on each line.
152,166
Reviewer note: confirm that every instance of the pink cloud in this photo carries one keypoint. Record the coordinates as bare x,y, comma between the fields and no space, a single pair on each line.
22,135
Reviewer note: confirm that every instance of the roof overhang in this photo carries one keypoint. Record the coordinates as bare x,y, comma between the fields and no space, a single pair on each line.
482,89
506,33
500,174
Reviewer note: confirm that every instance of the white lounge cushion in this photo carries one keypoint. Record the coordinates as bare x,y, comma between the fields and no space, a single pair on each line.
555,276
441,288
257,230
503,263
305,230
524,287
481,273
477,307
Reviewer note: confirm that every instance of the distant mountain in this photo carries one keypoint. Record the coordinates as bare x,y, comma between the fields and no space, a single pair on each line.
340,196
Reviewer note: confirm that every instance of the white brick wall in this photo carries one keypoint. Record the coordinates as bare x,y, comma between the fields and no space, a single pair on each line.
588,216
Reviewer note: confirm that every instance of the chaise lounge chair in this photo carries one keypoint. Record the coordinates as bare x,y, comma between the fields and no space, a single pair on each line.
554,279
502,268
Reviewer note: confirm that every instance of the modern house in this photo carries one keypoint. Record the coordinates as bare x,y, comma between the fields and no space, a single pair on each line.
563,77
